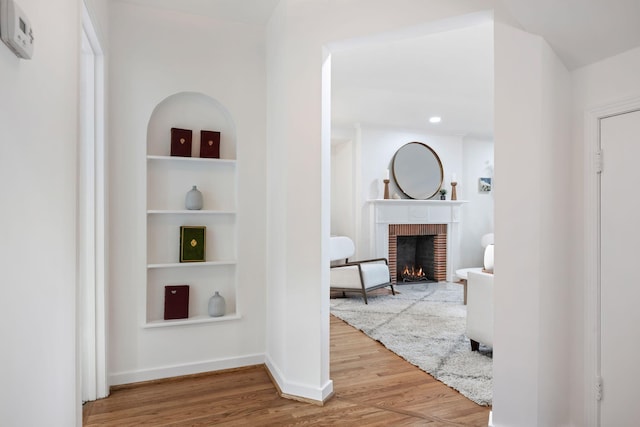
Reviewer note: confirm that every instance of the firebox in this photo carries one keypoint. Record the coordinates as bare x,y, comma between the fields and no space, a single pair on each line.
417,252
414,261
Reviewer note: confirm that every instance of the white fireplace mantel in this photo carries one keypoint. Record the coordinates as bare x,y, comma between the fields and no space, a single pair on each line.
409,211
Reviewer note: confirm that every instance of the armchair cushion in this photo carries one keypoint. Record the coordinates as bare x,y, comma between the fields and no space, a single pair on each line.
348,276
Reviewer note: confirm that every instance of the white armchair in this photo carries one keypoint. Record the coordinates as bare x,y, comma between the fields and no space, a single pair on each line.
356,276
480,309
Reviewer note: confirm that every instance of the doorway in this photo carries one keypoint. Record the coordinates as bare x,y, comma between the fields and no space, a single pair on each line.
619,237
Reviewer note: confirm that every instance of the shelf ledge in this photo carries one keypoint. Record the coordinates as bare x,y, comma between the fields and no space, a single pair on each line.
191,321
189,212
190,264
191,159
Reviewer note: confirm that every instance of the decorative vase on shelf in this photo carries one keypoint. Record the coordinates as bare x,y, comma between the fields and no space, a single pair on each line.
217,305
193,200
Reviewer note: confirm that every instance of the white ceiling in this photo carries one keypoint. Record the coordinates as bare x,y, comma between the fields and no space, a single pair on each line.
450,73
403,83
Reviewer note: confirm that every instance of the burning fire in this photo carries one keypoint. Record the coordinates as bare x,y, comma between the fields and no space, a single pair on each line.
413,274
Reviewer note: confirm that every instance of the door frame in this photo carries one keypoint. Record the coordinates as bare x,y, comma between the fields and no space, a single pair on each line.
592,267
92,218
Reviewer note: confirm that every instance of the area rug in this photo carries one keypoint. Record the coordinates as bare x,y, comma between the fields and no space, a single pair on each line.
425,324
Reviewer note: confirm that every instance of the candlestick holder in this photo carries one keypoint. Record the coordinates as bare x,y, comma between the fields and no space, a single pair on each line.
454,196
386,188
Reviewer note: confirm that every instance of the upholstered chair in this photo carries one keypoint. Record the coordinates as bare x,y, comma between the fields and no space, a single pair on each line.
356,276
479,309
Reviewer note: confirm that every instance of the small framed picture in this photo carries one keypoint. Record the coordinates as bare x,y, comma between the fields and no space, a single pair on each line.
484,185
193,243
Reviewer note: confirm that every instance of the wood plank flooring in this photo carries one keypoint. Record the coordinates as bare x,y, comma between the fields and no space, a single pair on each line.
372,385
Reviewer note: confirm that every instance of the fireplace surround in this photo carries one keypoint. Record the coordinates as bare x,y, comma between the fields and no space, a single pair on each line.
407,217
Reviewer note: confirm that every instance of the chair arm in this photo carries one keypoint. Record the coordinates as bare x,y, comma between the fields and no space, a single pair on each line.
363,261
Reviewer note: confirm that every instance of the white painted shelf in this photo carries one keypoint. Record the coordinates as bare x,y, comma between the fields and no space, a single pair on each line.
191,264
191,159
188,212
191,321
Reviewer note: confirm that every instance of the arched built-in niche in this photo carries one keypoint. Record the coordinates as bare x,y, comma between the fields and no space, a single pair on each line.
195,111
169,178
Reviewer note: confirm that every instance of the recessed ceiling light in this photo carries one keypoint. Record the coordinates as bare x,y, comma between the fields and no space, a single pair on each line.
435,119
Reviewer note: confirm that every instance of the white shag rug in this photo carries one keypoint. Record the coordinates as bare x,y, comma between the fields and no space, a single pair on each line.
425,324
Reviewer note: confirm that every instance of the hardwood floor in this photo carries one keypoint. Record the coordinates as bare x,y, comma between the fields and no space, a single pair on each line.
372,386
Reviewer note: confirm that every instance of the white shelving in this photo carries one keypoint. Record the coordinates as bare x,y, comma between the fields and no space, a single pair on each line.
169,178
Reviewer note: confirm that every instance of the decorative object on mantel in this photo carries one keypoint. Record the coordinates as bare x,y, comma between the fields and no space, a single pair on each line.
193,199
443,194
386,184
217,305
425,324
396,196
209,144
417,170
181,142
454,182
484,185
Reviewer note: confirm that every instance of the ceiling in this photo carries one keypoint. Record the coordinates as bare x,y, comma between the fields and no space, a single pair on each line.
402,83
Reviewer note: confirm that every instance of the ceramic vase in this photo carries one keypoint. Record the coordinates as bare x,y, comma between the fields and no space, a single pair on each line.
217,305
193,200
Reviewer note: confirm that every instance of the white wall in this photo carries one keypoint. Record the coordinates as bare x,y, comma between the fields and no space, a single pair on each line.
477,220
154,54
532,218
597,85
377,147
342,188
38,130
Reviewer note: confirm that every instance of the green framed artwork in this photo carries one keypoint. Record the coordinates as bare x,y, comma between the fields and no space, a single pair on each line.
193,243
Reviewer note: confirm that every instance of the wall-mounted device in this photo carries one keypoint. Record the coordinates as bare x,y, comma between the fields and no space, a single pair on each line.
15,29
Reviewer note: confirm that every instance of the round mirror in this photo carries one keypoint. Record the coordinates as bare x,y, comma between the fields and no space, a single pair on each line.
417,170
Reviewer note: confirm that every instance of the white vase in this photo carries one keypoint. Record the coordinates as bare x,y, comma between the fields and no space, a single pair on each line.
193,200
217,305
488,258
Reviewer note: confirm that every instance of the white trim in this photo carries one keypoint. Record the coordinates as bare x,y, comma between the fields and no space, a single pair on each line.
490,424
95,298
129,377
318,394
592,349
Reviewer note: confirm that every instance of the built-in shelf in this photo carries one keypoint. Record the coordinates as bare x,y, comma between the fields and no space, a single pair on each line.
169,179
191,264
189,212
190,159
191,321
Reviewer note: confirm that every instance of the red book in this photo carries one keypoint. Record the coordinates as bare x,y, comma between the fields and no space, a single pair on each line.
210,144
176,302
181,142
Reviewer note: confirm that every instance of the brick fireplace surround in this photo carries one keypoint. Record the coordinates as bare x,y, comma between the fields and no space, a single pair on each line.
439,231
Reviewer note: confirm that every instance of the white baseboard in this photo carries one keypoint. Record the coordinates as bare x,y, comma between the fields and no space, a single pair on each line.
185,369
297,390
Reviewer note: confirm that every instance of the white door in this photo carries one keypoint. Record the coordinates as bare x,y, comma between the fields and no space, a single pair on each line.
620,270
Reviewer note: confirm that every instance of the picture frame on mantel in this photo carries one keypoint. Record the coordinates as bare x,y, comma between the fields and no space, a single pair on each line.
193,243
